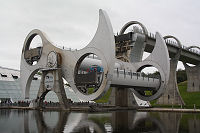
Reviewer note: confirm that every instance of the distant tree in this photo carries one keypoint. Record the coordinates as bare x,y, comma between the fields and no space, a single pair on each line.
39,73
154,74
181,75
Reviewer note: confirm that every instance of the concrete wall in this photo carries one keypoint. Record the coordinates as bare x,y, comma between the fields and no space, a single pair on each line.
193,78
122,97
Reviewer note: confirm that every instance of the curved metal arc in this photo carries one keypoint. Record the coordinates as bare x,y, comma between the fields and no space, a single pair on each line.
28,82
160,55
102,45
192,47
178,54
27,71
132,23
177,40
159,58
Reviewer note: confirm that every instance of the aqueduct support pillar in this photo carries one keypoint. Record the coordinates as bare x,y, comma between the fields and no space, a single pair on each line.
193,78
172,94
122,97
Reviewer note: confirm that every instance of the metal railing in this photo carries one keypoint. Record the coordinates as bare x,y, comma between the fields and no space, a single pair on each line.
173,43
170,42
137,75
150,35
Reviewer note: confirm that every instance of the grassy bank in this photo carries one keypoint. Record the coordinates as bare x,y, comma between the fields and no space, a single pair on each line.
105,98
190,98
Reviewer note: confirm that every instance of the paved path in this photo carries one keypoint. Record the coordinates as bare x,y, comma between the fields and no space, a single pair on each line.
102,109
170,110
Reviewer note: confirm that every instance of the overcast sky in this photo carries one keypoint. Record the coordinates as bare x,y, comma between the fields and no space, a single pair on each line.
72,23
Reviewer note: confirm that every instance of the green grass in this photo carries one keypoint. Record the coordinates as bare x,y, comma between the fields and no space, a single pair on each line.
105,98
190,98
90,90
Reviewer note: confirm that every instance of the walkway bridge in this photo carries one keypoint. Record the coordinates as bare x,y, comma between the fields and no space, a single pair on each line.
188,54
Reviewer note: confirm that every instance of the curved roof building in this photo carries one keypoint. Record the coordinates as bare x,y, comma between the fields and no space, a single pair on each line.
10,87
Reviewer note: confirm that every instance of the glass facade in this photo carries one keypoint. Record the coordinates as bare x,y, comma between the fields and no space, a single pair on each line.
10,87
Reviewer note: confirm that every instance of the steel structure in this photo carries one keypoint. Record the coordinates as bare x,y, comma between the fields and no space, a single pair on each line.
115,72
115,62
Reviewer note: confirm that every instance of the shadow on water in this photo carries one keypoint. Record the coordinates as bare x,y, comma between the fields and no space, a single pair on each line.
12,121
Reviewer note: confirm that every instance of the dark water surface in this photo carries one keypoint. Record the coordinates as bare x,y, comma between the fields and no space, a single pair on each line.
19,121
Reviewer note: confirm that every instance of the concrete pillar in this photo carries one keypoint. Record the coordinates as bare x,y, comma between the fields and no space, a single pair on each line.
193,78
58,88
111,100
172,94
122,97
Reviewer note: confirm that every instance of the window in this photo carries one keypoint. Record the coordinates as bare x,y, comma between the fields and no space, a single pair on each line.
3,75
15,77
34,78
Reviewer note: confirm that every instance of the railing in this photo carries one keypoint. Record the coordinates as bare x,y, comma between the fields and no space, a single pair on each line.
173,43
135,74
66,48
150,35
169,42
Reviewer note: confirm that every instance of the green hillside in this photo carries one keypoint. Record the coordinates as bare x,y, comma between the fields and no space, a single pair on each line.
190,98
105,98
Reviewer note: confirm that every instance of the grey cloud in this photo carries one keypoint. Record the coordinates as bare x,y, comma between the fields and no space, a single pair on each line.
73,23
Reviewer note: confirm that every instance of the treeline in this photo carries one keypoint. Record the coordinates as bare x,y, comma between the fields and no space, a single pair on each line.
180,74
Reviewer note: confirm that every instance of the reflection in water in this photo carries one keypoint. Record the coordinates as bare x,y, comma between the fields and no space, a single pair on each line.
171,121
123,121
45,122
148,124
136,122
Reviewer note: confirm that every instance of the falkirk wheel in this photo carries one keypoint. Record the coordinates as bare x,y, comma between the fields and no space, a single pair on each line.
91,71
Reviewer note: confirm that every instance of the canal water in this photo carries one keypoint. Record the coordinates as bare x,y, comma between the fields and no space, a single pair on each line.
19,121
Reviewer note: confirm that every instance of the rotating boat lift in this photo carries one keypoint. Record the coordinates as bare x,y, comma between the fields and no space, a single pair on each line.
113,64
